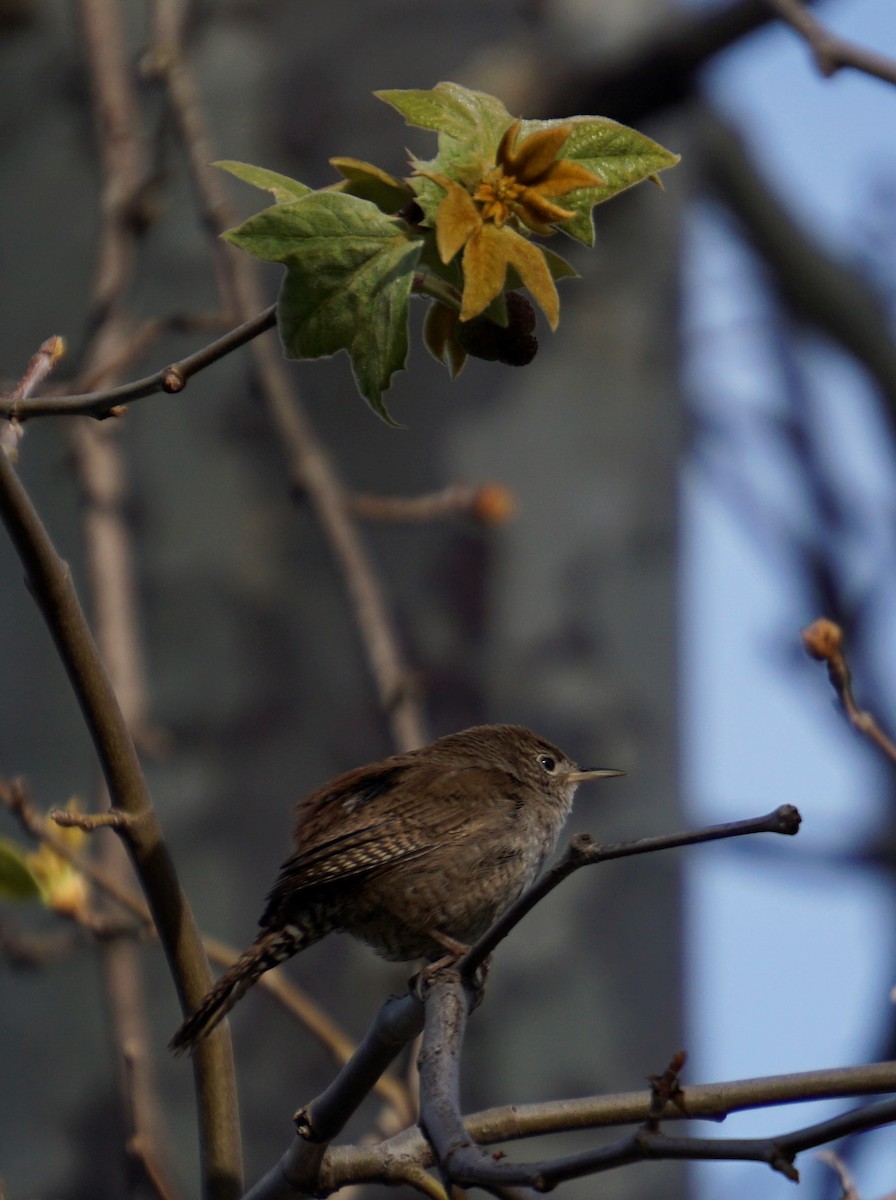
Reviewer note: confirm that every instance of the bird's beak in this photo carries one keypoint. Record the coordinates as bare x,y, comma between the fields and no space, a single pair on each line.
583,773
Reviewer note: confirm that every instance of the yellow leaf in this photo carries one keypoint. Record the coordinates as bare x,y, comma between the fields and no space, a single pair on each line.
566,176
485,266
535,154
533,270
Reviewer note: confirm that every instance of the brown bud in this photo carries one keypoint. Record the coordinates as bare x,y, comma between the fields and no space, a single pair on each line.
823,639
173,381
493,504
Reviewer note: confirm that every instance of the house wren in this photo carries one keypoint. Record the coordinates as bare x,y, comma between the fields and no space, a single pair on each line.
410,854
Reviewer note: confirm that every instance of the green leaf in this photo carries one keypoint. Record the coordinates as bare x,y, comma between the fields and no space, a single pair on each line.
16,879
429,194
283,188
348,279
368,182
621,157
469,124
558,265
450,109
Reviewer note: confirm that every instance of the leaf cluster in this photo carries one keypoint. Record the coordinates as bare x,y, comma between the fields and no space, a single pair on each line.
354,251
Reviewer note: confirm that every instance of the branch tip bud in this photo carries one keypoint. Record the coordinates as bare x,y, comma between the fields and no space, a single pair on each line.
823,639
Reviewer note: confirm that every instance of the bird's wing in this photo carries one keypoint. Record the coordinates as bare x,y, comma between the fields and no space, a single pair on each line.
368,821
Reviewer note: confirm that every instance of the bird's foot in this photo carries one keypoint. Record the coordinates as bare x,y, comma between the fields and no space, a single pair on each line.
455,950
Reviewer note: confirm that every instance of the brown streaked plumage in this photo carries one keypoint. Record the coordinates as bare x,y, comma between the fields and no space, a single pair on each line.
436,841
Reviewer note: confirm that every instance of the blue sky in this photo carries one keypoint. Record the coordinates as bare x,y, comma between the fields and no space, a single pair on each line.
793,957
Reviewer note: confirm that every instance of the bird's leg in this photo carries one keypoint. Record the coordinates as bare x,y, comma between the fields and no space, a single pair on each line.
455,951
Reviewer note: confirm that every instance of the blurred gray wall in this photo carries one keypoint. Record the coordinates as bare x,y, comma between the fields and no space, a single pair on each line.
564,620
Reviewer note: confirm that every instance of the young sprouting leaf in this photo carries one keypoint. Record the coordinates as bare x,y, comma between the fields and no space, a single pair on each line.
368,182
349,271
448,108
17,881
440,337
283,188
469,125
621,157
557,265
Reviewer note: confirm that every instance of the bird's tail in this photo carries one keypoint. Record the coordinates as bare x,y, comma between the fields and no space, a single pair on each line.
271,947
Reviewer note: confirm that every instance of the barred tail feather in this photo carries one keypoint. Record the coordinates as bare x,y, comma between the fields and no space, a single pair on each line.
271,947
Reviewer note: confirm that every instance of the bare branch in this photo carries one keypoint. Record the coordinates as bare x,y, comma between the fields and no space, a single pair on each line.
817,288
170,379
487,503
298,1172
14,798
850,1192
310,467
113,819
823,640
41,364
49,579
464,1162
583,852
832,53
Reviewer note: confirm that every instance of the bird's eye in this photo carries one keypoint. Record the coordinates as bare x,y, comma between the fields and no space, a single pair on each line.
548,762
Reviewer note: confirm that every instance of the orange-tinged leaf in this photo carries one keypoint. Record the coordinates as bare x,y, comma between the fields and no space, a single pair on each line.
566,176
457,218
485,266
504,153
537,153
533,270
542,209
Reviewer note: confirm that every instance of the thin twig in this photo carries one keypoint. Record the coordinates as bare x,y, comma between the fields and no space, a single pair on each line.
823,640
121,148
39,367
707,1101
170,379
14,797
833,53
583,852
299,1170
463,1161
488,504
112,818
310,467
836,1163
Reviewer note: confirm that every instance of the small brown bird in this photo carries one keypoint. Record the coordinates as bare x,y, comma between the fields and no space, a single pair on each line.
410,854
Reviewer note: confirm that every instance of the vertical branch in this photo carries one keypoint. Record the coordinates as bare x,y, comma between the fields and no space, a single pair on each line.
49,579
98,456
310,467
117,121
120,145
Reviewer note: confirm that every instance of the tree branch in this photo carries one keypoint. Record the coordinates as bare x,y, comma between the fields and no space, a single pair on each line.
464,1162
49,579
823,640
815,286
298,1172
310,467
831,52
584,852
660,69
171,379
